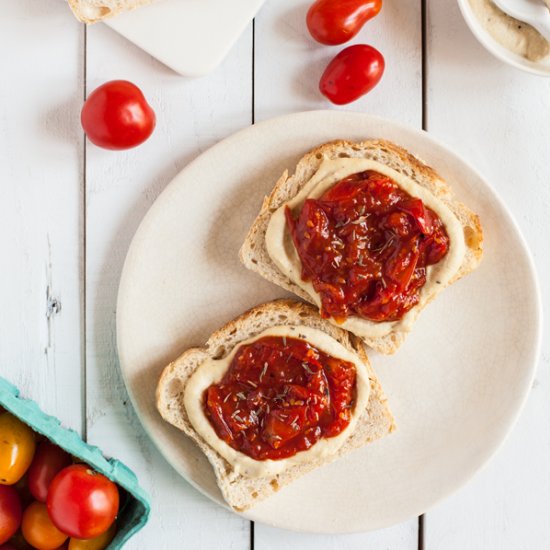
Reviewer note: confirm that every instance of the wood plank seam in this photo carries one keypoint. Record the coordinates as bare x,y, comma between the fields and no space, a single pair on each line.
424,32
84,385
424,22
253,122
253,69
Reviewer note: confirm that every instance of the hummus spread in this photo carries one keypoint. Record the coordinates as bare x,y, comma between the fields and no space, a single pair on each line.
514,35
213,370
283,253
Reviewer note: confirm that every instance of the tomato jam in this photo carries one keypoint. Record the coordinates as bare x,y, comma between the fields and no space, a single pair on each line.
365,245
280,396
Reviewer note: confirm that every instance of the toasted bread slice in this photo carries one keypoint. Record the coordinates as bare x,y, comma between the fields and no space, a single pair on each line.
92,11
254,254
239,491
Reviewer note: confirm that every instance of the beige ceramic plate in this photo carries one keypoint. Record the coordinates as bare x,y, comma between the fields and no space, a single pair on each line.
455,387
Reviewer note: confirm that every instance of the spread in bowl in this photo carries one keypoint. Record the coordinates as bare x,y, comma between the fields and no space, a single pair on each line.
287,396
516,36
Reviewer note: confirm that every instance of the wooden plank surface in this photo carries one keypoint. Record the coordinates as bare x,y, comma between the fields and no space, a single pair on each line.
40,190
288,65
399,537
497,117
491,114
192,115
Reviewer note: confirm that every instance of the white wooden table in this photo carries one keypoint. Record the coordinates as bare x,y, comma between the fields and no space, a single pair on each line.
69,210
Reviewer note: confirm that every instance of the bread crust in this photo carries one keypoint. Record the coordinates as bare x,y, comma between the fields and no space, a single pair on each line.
92,11
254,254
240,492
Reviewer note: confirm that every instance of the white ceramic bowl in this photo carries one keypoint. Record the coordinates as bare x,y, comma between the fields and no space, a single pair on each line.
541,68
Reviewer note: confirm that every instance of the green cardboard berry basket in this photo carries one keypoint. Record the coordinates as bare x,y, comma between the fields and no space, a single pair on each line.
135,508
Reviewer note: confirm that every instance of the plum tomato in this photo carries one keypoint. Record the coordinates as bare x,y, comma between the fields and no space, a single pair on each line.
10,512
99,543
48,461
352,73
17,446
334,22
117,116
39,530
81,502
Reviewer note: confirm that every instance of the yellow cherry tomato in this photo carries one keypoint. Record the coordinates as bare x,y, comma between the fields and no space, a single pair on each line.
99,543
17,445
38,529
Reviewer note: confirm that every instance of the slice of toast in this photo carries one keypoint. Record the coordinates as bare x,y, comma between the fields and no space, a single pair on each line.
239,491
254,254
92,11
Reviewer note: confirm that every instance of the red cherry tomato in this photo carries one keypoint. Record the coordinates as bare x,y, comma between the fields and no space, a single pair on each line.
48,461
81,502
352,73
38,529
334,22
117,116
10,512
22,488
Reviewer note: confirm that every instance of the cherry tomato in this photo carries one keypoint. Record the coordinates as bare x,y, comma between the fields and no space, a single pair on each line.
49,460
352,73
81,502
10,512
38,529
117,116
99,543
8,546
18,542
22,488
17,447
334,22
